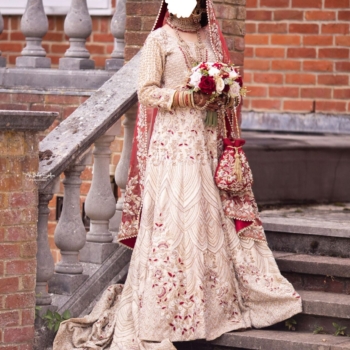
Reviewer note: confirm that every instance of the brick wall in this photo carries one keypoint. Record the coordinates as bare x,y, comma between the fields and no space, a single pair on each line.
18,217
141,16
64,105
297,55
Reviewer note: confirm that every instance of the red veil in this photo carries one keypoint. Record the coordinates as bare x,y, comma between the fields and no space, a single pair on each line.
129,227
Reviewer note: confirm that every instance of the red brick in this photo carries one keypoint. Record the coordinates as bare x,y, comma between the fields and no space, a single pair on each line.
9,251
318,40
59,48
28,282
20,301
308,3
342,93
9,319
304,28
266,104
268,78
256,15
280,39
62,99
5,97
337,3
9,285
23,199
333,53
273,52
19,335
298,105
316,93
248,77
330,106
249,52
20,267
28,250
239,44
281,15
333,79
335,28
11,47
256,39
343,66
250,28
286,65
272,28
237,58
301,79
274,3
283,91
252,3
54,36
257,91
256,64
21,233
342,40
28,317
301,52
323,66
343,15
320,15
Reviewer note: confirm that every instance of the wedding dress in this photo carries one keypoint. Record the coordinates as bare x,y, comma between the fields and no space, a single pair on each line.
191,275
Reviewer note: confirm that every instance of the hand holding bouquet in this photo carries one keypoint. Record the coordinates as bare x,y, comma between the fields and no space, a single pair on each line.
220,82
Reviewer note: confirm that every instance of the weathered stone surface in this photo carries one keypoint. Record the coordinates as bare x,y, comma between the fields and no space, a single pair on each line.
91,120
2,61
291,122
278,340
114,64
289,168
97,253
48,79
66,284
71,63
312,264
33,62
26,120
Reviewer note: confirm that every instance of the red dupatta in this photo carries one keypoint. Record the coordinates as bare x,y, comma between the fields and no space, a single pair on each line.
144,124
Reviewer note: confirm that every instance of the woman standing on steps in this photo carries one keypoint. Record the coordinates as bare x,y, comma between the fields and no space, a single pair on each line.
195,272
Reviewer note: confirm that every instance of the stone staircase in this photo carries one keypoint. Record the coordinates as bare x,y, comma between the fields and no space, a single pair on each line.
312,249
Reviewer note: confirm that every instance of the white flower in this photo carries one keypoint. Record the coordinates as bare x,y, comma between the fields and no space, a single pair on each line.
220,84
213,71
234,74
181,8
195,79
234,90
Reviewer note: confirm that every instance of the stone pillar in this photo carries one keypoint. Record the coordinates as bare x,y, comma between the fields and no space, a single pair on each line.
2,59
19,161
70,234
121,172
34,25
100,203
78,27
118,31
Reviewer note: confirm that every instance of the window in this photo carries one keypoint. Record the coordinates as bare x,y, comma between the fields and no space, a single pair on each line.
55,7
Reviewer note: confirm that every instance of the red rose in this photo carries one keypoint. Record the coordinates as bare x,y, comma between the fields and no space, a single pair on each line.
207,85
218,65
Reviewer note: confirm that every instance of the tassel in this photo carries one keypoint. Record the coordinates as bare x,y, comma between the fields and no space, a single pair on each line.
211,119
238,165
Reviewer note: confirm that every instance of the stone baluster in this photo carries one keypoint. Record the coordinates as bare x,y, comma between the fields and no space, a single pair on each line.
2,59
45,263
70,234
100,203
121,172
34,26
78,27
118,31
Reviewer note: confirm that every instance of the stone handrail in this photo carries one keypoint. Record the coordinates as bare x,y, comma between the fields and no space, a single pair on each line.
89,121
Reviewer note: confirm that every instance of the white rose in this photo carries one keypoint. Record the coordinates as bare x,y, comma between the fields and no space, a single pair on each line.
220,84
234,75
195,79
213,71
234,90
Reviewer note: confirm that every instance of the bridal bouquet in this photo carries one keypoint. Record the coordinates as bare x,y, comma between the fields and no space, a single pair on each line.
215,79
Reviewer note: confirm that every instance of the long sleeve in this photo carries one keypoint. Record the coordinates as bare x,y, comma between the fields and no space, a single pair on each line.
150,92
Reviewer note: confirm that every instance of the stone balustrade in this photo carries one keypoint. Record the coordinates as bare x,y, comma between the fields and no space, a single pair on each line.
77,26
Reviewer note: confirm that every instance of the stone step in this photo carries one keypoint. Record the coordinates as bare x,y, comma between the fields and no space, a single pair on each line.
313,272
319,230
275,340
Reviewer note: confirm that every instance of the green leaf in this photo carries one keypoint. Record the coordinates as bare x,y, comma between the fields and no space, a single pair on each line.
66,315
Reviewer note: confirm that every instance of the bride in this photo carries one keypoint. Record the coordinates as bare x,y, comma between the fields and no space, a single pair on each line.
201,265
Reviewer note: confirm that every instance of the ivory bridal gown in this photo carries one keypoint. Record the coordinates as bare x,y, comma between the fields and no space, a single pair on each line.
191,275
